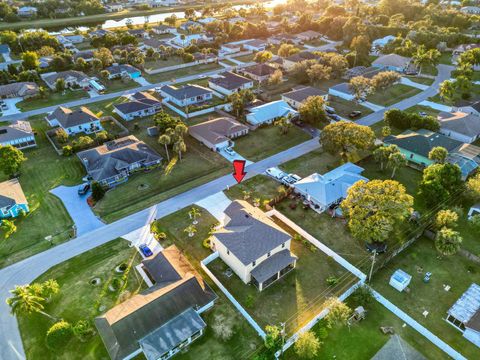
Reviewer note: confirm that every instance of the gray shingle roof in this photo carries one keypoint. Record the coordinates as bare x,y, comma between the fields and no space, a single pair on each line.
52,78
249,234
139,101
259,69
185,92
19,89
68,118
218,130
229,80
16,130
273,265
303,93
111,158
462,123
118,69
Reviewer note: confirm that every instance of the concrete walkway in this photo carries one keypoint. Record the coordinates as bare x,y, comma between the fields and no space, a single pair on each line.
372,106
408,82
422,330
78,209
215,205
443,74
27,270
436,106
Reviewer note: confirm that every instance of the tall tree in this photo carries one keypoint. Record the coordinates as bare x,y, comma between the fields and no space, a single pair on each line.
307,345
440,182
438,154
319,72
165,141
30,60
25,302
374,208
382,153
11,159
346,137
361,87
312,111
447,90
179,147
395,161
448,241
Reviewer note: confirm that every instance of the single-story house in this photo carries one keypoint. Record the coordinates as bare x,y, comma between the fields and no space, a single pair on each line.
189,24
72,78
218,133
86,55
342,90
329,189
253,246
113,8
228,82
416,145
12,199
398,349
367,72
153,43
236,19
162,320
123,70
259,72
378,44
290,61
74,121
186,95
18,134
230,48
113,162
460,49
283,38
27,11
139,33
75,39
20,89
470,10
189,39
164,29
269,112
208,57
298,95
207,20
459,126
140,104
308,35
392,62
255,45
464,315
98,33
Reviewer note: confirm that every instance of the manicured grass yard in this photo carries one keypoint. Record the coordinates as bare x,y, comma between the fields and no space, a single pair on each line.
266,141
209,346
119,85
474,96
229,62
173,60
297,297
104,107
51,99
43,171
456,271
198,165
364,339
393,94
175,74
245,58
421,80
79,300
426,109
344,107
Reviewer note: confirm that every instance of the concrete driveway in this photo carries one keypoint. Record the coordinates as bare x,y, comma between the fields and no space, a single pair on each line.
235,156
215,205
11,106
142,81
76,205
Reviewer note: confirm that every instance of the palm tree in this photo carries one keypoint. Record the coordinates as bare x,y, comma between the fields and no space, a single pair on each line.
180,130
396,160
180,147
25,301
421,58
284,124
50,288
194,213
165,141
191,230
447,90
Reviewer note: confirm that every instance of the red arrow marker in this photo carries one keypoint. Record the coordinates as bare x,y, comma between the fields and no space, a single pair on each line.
239,170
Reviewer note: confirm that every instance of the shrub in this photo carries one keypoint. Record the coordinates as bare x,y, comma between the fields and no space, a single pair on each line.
59,335
307,345
207,243
405,120
61,136
249,301
362,295
331,280
67,150
322,333
83,330
98,191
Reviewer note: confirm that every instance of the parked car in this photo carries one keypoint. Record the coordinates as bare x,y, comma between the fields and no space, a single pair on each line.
329,110
145,250
276,173
229,151
354,114
422,113
83,189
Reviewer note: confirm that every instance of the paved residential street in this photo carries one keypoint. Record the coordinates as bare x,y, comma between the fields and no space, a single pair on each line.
443,74
29,269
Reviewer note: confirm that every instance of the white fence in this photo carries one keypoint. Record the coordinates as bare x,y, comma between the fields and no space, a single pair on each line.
179,66
230,297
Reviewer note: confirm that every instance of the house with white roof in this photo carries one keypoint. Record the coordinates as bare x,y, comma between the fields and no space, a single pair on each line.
189,39
324,191
269,112
230,48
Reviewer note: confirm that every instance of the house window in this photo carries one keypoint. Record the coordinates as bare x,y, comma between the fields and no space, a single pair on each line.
254,263
268,255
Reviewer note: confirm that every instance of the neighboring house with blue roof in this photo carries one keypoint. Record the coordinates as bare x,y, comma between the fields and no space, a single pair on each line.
323,191
123,70
269,112
4,49
27,11
12,199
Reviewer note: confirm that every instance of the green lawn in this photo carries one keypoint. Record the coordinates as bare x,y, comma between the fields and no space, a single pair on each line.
229,62
51,99
421,80
199,165
344,107
274,92
79,300
104,107
245,58
455,271
315,42
429,70
266,141
43,171
173,60
119,85
474,96
393,95
315,161
426,109
175,74
364,339
446,58
209,346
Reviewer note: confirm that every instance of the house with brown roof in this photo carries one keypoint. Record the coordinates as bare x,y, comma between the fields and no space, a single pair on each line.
308,35
218,133
20,89
113,162
81,120
12,199
258,72
162,320
253,245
